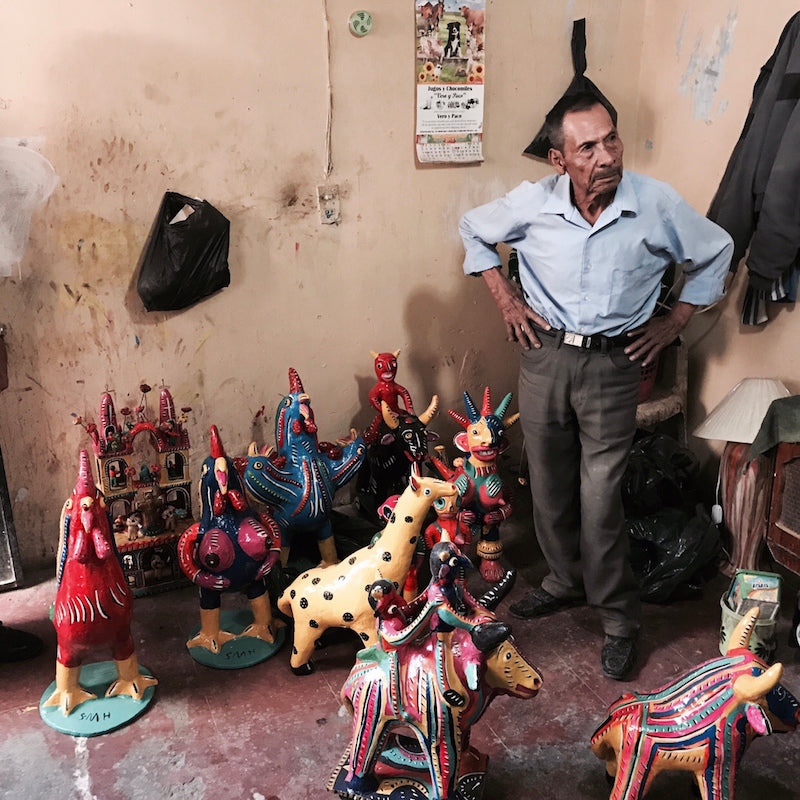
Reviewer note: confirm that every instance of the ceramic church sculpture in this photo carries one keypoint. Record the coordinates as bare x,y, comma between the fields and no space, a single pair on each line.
298,479
231,549
701,722
93,606
437,664
485,500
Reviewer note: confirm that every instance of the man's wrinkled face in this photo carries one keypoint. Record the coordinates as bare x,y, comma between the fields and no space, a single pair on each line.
591,154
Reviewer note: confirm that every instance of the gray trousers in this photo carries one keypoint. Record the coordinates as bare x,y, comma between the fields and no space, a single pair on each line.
578,415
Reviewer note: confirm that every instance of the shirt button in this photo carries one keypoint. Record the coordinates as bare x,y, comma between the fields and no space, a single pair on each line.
588,267
586,297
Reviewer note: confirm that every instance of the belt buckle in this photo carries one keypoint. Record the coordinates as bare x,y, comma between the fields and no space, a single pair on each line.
576,339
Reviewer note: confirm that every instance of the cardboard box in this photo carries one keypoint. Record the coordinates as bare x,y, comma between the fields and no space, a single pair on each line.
749,588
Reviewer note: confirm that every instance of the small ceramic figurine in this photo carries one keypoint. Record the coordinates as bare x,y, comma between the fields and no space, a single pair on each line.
133,525
701,722
485,501
93,606
402,442
386,390
297,481
231,549
437,664
448,527
337,595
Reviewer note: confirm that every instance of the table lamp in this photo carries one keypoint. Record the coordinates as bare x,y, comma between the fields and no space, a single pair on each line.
743,487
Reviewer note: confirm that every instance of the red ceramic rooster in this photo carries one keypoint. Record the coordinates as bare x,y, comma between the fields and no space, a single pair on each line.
94,606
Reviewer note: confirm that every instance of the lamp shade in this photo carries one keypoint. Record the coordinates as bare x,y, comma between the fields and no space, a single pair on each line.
738,416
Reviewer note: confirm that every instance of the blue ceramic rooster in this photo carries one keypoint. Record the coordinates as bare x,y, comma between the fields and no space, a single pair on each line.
298,479
231,549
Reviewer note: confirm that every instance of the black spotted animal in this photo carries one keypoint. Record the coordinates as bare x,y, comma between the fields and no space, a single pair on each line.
338,595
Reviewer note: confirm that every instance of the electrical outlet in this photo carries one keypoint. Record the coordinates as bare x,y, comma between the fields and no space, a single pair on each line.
329,211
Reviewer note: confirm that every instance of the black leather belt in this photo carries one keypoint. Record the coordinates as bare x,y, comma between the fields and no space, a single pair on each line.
594,342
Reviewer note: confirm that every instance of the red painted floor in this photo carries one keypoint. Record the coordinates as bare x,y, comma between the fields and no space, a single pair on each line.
264,734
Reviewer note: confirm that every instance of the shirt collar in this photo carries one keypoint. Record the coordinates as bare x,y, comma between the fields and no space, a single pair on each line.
560,200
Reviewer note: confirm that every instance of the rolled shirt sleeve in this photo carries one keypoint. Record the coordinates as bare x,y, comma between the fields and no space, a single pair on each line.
606,277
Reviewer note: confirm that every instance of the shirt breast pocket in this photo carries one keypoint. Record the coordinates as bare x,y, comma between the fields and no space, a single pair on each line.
632,286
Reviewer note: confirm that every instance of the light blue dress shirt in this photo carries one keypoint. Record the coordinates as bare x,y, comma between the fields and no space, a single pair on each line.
602,278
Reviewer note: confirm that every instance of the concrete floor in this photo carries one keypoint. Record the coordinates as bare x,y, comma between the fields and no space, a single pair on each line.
264,734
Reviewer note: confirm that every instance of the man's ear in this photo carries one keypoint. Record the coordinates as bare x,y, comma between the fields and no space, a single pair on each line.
556,158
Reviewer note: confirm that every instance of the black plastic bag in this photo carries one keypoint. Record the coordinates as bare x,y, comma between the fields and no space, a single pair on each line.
660,474
541,144
186,255
673,553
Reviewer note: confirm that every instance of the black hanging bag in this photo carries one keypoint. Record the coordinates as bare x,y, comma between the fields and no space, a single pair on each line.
185,258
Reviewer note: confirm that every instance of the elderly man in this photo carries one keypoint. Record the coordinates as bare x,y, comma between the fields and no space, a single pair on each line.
593,244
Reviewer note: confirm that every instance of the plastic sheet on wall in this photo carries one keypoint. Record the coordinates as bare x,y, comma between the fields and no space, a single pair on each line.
450,71
27,179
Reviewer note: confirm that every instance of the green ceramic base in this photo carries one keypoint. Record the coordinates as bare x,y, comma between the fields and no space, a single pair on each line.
101,715
237,653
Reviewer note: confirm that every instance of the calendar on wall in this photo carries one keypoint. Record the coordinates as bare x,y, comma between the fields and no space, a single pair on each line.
450,75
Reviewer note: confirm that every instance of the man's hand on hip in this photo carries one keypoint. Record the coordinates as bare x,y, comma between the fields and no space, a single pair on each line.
650,339
518,316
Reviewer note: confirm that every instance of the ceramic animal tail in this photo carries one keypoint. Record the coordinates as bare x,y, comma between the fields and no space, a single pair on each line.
337,596
93,606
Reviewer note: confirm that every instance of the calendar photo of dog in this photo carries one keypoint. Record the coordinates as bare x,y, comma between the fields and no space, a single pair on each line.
452,50
452,47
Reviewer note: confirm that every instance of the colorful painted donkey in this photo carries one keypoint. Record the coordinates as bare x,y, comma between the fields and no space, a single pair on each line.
395,691
485,501
337,595
701,722
298,481
93,606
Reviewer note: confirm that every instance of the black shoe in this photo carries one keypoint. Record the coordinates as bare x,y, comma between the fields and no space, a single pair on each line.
18,645
540,603
618,656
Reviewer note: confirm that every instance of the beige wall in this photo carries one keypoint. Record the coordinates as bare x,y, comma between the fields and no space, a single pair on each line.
699,65
229,101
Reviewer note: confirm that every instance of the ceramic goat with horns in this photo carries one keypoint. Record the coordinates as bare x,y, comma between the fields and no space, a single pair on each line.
298,479
402,443
485,500
404,689
701,722
94,605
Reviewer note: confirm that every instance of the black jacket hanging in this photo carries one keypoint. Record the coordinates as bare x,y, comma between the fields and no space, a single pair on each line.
758,199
